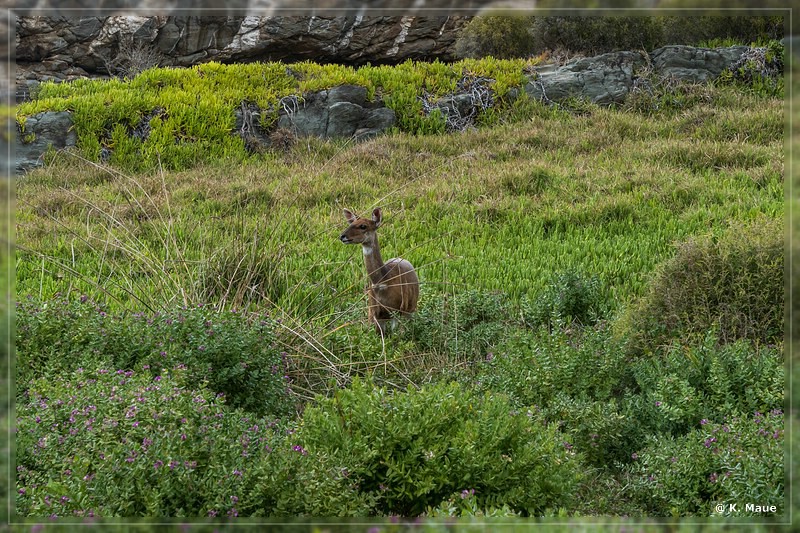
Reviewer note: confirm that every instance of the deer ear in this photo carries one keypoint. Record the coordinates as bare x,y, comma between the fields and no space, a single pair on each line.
377,216
349,215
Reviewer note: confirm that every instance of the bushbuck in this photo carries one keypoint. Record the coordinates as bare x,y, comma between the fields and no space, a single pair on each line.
394,285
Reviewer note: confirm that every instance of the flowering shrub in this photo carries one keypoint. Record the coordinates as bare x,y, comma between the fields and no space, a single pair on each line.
412,450
738,461
708,381
234,353
125,443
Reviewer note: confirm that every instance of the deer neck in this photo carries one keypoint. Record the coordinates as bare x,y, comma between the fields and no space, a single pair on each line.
373,260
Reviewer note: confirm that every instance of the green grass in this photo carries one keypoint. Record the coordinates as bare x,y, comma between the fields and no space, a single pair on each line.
502,208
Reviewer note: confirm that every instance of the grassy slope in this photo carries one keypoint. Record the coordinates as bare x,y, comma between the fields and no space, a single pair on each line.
501,208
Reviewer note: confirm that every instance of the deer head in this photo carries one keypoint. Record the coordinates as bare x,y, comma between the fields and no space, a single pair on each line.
361,230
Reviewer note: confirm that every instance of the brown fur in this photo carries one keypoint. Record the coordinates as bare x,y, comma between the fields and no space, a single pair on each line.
394,285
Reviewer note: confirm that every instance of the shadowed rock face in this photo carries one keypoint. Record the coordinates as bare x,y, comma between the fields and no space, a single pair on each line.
91,43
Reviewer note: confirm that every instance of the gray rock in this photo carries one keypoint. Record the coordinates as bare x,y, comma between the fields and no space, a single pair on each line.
306,121
354,94
604,79
42,131
692,64
374,122
343,119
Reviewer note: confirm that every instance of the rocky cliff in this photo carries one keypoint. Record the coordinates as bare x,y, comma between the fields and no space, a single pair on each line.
64,49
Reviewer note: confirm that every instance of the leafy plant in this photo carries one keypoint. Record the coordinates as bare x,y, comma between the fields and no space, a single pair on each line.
740,459
235,354
412,449
570,296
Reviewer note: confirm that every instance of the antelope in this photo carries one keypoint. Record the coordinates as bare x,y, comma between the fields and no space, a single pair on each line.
394,285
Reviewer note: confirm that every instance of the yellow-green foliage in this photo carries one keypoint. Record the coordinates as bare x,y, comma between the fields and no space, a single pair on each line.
198,103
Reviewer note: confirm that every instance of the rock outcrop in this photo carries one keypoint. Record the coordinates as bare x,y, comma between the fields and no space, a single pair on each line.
697,65
345,111
604,79
42,131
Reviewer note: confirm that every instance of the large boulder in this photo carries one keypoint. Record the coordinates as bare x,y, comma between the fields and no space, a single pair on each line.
342,111
691,64
604,79
42,131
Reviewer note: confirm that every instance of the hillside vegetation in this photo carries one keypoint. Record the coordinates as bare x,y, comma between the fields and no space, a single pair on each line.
600,328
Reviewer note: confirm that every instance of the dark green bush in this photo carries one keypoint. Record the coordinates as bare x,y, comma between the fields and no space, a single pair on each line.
570,297
462,326
736,461
596,35
708,381
704,30
734,283
412,450
236,354
125,443
502,37
592,35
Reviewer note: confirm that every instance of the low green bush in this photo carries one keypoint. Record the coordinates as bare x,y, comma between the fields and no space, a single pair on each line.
607,401
708,380
737,461
534,367
411,450
155,120
569,297
733,283
124,443
235,353
462,326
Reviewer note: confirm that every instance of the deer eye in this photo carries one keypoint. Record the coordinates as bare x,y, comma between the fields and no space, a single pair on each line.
362,226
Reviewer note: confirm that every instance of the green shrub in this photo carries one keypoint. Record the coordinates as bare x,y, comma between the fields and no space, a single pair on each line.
708,381
462,326
503,37
534,367
733,283
569,297
236,354
125,443
572,377
412,450
712,31
596,35
736,461
593,35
